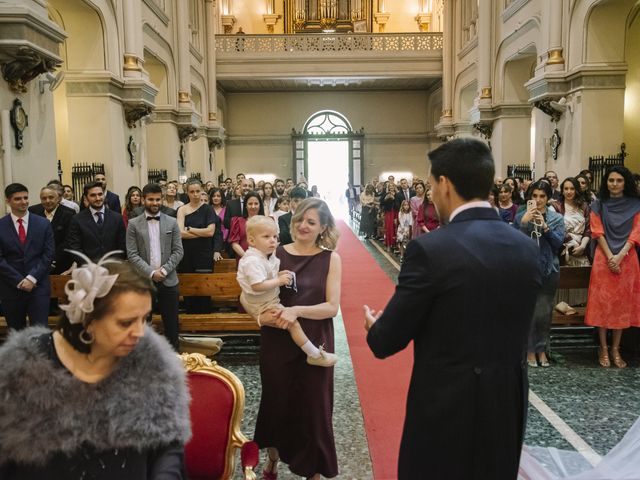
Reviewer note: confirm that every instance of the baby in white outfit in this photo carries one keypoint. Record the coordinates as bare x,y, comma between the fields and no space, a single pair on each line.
260,281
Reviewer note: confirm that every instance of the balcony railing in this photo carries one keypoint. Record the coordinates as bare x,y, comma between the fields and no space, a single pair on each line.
328,43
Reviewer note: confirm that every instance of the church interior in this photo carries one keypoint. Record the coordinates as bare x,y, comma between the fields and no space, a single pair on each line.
337,93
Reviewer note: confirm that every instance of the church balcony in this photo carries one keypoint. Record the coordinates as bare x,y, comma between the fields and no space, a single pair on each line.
314,57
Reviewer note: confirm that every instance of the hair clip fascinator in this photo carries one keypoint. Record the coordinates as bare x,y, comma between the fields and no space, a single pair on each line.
87,283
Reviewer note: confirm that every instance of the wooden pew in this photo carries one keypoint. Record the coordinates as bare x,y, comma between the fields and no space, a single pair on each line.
572,278
223,287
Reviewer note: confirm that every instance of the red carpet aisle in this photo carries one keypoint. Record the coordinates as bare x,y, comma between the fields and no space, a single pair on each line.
382,384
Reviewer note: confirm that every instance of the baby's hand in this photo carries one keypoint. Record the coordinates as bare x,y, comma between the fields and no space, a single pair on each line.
284,278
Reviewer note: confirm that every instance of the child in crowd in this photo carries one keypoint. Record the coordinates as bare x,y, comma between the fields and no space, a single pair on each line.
405,223
260,281
280,208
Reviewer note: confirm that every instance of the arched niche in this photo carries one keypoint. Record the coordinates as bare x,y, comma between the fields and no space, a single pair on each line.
157,70
156,46
91,30
466,100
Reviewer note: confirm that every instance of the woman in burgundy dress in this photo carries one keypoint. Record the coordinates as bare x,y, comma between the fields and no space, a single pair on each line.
295,417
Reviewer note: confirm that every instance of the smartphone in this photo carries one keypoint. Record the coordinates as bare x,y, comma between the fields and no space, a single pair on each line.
531,205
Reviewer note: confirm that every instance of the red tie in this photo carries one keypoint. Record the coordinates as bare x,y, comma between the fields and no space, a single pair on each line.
22,234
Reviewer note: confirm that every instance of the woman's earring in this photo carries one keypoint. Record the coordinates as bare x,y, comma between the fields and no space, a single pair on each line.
86,337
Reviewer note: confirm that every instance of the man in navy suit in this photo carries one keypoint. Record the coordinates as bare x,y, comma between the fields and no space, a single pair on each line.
111,200
96,230
465,296
26,253
404,193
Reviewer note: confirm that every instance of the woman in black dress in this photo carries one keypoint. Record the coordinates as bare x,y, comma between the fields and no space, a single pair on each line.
197,225
295,417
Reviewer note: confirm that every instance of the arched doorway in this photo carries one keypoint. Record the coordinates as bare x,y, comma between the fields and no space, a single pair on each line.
329,154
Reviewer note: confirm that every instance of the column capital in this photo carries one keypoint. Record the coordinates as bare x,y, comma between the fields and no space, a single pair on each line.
184,97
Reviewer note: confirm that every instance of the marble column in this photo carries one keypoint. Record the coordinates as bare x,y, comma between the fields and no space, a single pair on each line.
555,59
212,96
484,50
133,44
184,60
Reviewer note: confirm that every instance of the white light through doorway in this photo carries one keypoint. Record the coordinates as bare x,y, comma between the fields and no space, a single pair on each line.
328,163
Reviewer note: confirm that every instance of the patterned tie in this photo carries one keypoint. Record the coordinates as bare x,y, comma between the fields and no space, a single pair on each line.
100,220
22,233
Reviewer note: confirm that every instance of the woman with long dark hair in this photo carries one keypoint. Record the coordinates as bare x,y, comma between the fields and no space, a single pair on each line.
133,199
390,210
575,210
238,232
369,212
614,288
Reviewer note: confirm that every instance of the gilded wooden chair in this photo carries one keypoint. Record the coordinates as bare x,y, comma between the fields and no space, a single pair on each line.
217,405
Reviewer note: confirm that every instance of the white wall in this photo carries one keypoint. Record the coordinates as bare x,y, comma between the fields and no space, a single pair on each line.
259,127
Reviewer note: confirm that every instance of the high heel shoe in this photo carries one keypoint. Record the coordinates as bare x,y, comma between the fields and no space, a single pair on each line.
603,357
617,359
270,470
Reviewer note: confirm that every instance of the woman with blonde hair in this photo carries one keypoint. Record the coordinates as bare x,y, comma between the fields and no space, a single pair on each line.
302,436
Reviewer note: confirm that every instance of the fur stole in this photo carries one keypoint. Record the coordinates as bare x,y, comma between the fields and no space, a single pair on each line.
143,404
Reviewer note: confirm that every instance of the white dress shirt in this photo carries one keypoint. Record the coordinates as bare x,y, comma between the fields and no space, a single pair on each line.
467,206
72,205
25,223
49,215
94,211
155,255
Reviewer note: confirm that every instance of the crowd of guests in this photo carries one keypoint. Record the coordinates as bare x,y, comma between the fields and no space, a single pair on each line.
200,224
395,213
123,264
572,223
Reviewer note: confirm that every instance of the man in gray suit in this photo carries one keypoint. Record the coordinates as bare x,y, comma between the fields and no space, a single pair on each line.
154,248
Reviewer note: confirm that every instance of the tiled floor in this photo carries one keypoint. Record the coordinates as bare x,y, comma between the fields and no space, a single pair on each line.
598,404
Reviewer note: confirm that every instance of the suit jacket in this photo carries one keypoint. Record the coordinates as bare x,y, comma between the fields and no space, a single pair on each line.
401,198
465,296
112,201
60,225
87,237
284,222
33,258
233,209
139,251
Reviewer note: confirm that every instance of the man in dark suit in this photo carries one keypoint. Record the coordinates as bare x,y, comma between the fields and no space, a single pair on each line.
154,248
96,230
111,200
404,193
467,402
60,218
26,253
234,207
296,195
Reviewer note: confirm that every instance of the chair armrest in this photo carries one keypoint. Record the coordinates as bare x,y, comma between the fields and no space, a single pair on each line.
249,456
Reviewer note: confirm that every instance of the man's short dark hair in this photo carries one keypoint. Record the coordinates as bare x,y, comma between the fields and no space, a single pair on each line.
278,180
90,185
298,192
151,188
468,163
14,188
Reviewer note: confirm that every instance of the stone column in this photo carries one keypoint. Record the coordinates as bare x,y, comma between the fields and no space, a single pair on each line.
212,96
484,51
447,62
184,61
555,59
133,45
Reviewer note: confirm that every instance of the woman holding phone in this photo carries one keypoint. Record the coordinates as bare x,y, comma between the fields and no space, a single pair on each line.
546,227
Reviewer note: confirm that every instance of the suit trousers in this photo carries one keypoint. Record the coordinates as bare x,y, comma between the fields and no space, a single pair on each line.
166,304
16,310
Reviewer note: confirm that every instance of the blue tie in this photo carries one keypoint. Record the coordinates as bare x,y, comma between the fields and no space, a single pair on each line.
100,220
